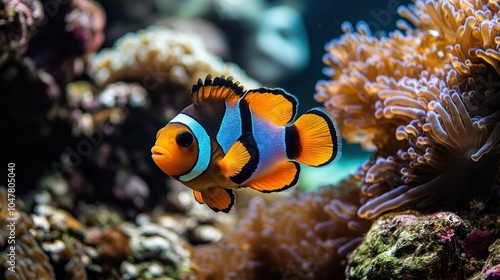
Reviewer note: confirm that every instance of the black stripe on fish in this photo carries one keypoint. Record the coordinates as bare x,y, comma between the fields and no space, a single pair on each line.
292,141
246,117
246,172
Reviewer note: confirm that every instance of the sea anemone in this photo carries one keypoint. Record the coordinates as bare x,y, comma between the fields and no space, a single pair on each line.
425,100
305,235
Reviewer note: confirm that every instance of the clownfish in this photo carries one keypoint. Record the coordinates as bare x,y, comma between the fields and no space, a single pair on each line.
230,138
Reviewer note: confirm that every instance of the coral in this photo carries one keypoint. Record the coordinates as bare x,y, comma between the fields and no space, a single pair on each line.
105,247
491,269
158,57
156,252
72,30
28,114
18,23
47,38
304,235
60,234
20,250
424,99
111,247
410,245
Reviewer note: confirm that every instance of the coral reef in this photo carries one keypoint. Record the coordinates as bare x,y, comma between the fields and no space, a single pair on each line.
92,204
491,268
59,235
39,58
425,99
22,257
18,21
158,56
52,244
156,252
305,235
79,24
442,245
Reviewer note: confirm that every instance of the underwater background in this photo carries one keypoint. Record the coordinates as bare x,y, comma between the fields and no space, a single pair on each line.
413,86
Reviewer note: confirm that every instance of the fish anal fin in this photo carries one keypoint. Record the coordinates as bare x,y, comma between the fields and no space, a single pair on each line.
198,197
275,105
241,159
219,88
219,199
282,177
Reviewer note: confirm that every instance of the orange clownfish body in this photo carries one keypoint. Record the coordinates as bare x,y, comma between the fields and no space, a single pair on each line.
230,138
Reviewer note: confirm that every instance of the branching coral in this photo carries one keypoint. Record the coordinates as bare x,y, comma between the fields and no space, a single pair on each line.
425,99
304,236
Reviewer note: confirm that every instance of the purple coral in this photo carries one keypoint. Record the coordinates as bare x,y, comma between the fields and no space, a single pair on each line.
476,244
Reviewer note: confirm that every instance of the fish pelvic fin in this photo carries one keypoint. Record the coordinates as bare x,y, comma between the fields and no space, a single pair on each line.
198,197
218,199
281,177
313,139
241,159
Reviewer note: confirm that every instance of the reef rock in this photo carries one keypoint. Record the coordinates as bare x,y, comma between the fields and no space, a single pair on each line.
443,245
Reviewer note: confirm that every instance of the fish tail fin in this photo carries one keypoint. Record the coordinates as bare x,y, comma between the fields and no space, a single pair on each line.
313,138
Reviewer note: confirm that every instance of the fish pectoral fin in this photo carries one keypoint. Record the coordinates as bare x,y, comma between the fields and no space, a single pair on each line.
241,159
219,88
219,199
198,197
282,177
273,104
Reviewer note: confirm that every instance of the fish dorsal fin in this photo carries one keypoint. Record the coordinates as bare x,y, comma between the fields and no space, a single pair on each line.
273,104
241,159
219,199
281,177
220,88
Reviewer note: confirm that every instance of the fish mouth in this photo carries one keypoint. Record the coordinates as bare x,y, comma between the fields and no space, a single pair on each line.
160,154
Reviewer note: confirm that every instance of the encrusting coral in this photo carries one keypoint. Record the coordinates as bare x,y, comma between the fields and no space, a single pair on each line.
426,100
303,236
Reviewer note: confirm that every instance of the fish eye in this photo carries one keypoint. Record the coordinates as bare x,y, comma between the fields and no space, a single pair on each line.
184,139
